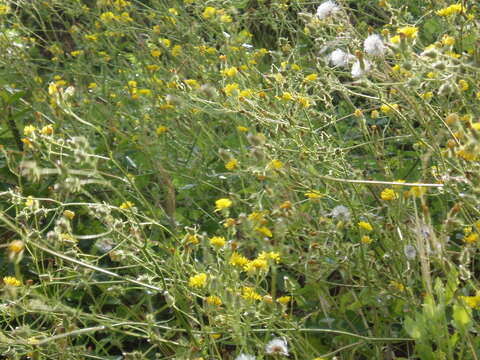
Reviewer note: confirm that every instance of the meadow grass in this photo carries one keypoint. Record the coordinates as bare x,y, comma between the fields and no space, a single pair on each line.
239,179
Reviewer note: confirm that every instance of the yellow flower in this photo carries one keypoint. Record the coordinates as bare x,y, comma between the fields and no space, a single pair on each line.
127,205
265,231
192,239
16,246
386,108
463,85
366,239
448,40
161,130
471,301
409,31
451,10
11,281
238,260
374,114
29,130
214,300
286,96
69,214
249,293
47,130
209,12
427,95
284,300
311,77
365,225
471,238
226,19
217,241
242,128
192,83
286,205
276,164
395,39
303,101
275,256
231,89
229,222
230,72
256,265
389,194
222,204
232,164
155,53
176,50
314,195
198,281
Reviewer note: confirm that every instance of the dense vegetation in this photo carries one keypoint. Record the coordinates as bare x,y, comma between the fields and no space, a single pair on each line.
239,179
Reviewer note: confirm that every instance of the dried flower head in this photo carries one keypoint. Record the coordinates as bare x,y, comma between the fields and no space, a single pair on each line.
277,346
327,9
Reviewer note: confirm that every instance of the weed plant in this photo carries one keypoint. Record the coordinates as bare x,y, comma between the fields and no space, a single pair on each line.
239,179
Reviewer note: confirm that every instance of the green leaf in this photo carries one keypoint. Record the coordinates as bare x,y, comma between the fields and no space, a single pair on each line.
412,328
462,317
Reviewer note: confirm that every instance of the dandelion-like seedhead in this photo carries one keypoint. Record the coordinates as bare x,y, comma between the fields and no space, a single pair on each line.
277,346
373,45
340,58
326,9
359,69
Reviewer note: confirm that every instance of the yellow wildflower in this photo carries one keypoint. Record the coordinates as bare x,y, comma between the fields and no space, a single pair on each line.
471,301
448,40
238,260
451,10
366,239
365,225
276,164
284,300
471,238
226,19
286,96
198,281
161,130
176,50
230,72
127,205
286,205
242,128
192,239
192,83
408,31
265,231
217,241
69,214
155,53
11,281
222,204
311,77
256,265
16,246
209,12
29,130
463,85
314,195
249,293
230,89
232,164
388,194
387,108
214,300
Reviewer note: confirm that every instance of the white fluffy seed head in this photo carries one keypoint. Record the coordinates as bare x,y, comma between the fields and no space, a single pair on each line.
340,58
327,9
277,346
373,45
358,71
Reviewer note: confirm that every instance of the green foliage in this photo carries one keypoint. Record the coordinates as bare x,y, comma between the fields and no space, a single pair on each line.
188,180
